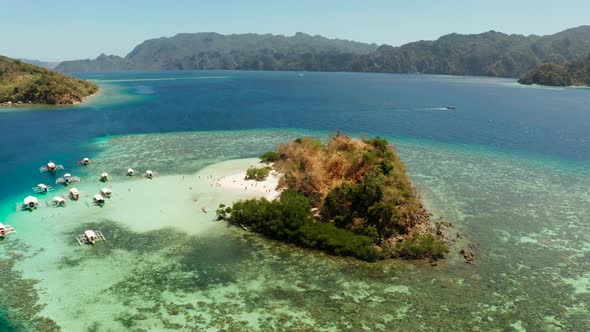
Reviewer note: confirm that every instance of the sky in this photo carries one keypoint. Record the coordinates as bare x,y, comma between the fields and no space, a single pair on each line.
60,30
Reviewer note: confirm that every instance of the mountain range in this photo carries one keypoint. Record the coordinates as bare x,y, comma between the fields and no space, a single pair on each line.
196,51
487,54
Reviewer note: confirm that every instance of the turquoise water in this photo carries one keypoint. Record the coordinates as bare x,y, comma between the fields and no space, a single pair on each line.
517,190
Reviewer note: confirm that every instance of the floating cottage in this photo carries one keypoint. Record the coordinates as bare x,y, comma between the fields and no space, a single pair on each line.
29,203
50,167
90,237
150,174
5,230
42,188
106,192
98,199
59,201
74,194
104,177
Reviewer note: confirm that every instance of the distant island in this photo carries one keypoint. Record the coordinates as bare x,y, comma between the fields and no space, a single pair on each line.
348,197
574,73
486,54
44,64
23,83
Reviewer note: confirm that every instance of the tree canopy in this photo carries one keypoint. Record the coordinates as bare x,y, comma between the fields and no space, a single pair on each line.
347,197
26,83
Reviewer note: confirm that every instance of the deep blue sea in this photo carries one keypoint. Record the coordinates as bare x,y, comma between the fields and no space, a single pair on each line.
493,113
510,166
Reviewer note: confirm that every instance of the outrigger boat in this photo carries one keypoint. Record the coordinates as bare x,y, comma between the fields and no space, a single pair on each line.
29,203
104,177
5,230
67,179
130,172
41,188
58,201
74,194
85,161
106,192
98,199
51,167
90,237
150,175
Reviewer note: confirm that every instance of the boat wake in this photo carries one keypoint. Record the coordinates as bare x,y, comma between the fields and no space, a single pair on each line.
447,108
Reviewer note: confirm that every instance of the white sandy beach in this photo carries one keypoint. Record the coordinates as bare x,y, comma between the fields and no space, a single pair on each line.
238,182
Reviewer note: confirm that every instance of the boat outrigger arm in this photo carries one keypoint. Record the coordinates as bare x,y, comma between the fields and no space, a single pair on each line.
67,179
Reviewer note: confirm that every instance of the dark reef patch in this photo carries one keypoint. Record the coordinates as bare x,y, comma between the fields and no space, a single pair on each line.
19,300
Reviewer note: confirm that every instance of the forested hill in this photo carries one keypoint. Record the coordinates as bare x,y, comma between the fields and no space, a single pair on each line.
486,54
197,51
575,73
22,83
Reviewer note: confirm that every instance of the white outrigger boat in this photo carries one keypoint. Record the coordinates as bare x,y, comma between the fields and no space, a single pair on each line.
98,199
74,194
150,174
51,167
58,201
104,177
67,179
130,172
29,203
85,161
90,237
42,188
5,230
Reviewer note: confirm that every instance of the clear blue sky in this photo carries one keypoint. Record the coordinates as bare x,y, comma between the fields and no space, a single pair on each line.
73,29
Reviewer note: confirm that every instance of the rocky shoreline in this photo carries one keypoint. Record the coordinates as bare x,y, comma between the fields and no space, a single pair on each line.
29,103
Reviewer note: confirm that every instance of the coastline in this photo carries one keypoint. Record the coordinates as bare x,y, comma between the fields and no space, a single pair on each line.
87,98
76,103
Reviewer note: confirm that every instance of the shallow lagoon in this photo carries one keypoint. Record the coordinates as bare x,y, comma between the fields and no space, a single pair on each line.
177,269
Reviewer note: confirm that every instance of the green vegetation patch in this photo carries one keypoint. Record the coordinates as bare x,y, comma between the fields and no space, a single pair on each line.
257,173
269,157
24,83
422,246
290,219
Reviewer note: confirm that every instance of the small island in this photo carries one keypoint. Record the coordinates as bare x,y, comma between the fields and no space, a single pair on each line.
348,197
575,73
22,83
